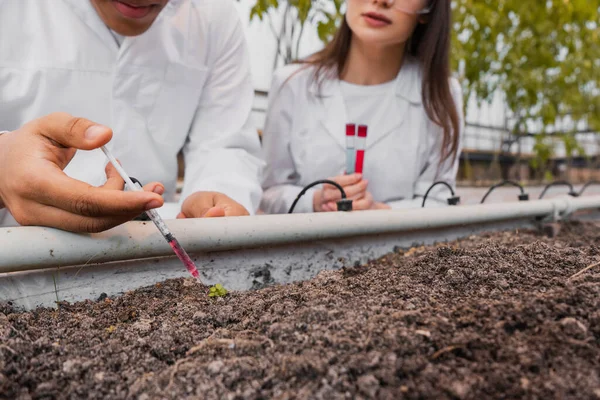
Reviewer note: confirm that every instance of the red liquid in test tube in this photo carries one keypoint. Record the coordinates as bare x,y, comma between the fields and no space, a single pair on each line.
361,142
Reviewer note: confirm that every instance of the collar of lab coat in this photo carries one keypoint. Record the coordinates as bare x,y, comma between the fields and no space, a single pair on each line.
408,83
332,112
86,11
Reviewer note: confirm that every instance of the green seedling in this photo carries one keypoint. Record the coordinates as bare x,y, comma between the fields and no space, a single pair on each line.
217,291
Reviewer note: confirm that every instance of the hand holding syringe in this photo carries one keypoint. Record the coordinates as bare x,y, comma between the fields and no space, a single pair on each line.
158,221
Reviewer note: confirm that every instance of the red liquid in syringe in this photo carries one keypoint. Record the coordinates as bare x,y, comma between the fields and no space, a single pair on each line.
185,259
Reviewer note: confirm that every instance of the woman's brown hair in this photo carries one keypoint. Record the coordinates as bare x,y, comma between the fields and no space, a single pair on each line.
430,45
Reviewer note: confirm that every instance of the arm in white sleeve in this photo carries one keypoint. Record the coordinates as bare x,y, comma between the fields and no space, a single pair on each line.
280,178
222,152
446,172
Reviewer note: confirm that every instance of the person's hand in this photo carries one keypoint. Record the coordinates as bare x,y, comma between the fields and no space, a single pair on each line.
36,191
209,205
355,187
364,203
380,206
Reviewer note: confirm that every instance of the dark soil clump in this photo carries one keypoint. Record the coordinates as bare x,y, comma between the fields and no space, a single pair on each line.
492,316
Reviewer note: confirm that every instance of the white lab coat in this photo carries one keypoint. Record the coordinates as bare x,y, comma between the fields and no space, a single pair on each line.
304,141
184,83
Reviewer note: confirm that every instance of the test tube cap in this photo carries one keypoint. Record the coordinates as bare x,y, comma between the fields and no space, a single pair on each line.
362,131
350,129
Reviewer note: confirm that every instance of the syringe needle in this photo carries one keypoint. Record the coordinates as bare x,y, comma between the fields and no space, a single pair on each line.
158,221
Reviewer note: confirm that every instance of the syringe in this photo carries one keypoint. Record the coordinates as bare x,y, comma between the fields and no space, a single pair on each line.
158,221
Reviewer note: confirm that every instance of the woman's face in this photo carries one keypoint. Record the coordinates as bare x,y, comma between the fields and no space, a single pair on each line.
383,22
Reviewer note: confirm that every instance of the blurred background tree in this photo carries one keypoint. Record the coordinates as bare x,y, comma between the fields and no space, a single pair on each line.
543,56
296,16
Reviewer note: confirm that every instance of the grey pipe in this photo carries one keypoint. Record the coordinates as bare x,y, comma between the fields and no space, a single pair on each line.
29,248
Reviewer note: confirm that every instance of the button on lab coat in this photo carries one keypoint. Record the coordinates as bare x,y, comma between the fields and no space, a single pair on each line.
304,141
184,83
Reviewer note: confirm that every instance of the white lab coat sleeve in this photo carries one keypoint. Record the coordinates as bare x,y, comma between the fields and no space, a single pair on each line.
281,177
447,171
222,152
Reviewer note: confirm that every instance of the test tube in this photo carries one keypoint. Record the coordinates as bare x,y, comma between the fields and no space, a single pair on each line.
350,151
361,145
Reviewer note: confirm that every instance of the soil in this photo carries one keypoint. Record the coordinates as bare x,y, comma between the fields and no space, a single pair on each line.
492,316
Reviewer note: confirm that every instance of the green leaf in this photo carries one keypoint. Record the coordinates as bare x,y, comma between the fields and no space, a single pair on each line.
217,291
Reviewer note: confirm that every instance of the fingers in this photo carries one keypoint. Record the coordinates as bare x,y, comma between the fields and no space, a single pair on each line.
366,203
235,210
357,190
36,191
115,182
80,198
354,191
353,185
197,204
113,179
381,206
328,207
214,212
230,207
317,200
155,187
344,180
211,205
64,130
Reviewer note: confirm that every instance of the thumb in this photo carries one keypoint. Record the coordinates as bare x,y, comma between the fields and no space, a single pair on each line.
64,130
344,180
214,212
